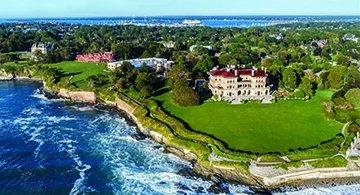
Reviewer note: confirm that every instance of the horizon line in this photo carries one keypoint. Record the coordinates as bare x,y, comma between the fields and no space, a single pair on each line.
159,16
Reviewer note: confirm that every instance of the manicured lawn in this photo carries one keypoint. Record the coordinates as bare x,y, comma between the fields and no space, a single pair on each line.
277,127
79,71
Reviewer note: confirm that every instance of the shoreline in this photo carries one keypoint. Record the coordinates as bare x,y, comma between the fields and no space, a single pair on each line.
296,180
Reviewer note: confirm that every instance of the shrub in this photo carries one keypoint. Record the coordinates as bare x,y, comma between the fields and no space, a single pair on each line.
353,96
337,161
342,116
354,127
342,103
299,94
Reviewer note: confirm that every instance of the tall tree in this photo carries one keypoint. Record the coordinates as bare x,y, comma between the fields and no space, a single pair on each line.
289,79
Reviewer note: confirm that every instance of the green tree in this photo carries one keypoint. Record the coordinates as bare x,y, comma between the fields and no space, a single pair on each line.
307,86
353,96
289,79
354,78
182,94
124,76
144,83
204,64
337,77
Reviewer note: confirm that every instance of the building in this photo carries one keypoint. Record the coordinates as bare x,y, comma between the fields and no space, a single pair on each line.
350,37
193,47
159,64
44,48
320,43
240,84
95,57
169,45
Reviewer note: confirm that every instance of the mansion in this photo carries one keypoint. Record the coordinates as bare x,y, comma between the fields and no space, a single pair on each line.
43,48
236,85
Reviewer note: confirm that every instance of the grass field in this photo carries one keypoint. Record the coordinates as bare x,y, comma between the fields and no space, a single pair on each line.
79,71
255,127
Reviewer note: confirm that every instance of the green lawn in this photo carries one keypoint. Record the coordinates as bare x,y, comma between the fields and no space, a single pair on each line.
79,71
277,127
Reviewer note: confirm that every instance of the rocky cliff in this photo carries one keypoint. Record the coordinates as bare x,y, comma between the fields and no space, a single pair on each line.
79,96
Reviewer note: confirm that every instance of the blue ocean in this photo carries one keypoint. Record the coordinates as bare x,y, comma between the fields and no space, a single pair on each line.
176,21
54,147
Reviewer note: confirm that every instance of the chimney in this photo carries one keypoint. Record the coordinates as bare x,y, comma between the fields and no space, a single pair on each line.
252,72
236,72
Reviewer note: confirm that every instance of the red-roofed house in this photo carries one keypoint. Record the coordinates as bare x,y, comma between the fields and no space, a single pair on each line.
96,57
239,84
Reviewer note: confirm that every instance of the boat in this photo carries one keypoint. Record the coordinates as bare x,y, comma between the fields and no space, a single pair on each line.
192,22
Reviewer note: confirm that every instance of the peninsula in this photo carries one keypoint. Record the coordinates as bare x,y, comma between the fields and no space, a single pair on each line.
264,106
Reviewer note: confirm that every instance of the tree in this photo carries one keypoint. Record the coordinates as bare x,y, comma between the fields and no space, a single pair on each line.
124,76
354,78
289,79
144,83
204,64
96,80
307,86
185,96
353,96
178,75
182,94
337,77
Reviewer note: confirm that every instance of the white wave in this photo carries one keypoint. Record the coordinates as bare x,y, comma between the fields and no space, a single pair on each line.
139,168
39,95
31,111
56,119
83,109
2,163
23,121
79,185
35,136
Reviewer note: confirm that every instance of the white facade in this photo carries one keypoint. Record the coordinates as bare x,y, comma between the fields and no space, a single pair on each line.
158,64
240,84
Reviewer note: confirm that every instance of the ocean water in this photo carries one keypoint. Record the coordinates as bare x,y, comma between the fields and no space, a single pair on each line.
210,21
53,147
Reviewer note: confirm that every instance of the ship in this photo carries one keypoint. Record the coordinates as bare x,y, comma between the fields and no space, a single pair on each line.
192,22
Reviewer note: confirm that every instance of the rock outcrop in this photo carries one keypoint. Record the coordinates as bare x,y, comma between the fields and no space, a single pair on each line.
78,96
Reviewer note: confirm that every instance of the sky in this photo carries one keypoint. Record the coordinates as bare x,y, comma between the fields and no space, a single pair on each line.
113,8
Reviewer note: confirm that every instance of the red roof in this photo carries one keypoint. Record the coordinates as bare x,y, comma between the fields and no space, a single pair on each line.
95,57
232,73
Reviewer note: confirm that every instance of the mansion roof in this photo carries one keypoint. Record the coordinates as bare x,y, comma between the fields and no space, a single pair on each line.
231,73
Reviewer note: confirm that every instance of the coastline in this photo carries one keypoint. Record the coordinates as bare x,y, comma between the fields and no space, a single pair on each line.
308,178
